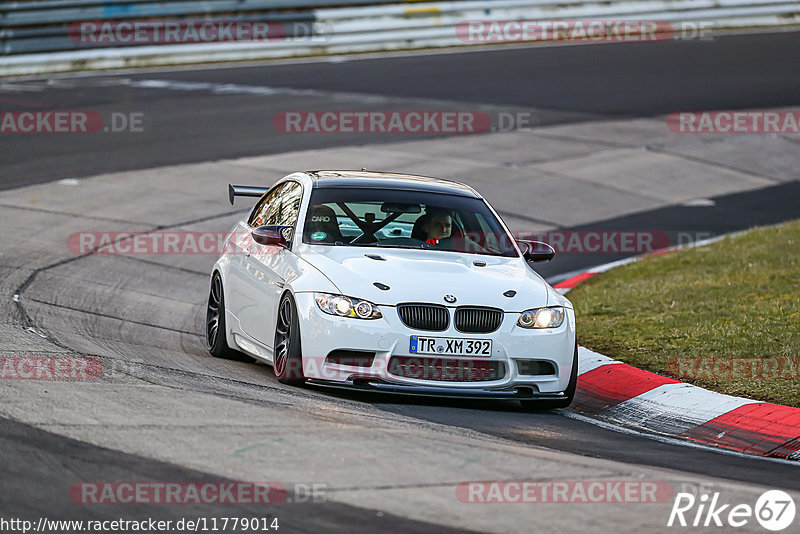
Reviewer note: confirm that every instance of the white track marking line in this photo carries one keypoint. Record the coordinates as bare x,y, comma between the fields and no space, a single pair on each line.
22,88
238,89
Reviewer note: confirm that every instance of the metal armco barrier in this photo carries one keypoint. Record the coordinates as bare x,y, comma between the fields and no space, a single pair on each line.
50,35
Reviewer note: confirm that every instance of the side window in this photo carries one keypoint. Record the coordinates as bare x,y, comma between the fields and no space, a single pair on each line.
286,207
259,215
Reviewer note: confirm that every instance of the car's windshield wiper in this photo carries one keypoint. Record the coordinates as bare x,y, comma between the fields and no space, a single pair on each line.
378,244
390,245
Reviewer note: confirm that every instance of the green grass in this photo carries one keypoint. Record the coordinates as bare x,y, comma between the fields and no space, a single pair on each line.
734,303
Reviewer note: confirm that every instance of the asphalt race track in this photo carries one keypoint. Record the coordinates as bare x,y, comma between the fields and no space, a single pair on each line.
225,119
168,411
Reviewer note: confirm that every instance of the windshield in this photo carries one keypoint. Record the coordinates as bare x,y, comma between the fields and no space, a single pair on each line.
381,218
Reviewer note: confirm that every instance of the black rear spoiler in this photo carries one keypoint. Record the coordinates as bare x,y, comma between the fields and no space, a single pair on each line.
245,191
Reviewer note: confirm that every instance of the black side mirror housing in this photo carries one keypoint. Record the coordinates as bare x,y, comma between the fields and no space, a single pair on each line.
536,251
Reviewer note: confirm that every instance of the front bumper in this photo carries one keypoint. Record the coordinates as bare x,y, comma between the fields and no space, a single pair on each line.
388,337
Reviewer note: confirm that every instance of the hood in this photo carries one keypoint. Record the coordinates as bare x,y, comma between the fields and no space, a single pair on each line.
427,276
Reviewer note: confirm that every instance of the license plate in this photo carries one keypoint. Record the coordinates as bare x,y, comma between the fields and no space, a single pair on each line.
449,346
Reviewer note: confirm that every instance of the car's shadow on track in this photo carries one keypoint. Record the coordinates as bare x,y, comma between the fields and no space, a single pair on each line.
399,402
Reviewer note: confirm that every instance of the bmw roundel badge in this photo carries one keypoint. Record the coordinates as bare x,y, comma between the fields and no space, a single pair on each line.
449,298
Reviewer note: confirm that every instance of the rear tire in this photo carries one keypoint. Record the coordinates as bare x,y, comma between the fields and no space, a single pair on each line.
288,359
216,331
569,393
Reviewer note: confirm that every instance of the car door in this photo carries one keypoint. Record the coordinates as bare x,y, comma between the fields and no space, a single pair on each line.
268,267
242,289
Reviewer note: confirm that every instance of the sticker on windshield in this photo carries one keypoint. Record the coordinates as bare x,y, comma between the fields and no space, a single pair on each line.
318,236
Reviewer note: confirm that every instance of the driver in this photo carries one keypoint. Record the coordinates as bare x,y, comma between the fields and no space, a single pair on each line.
438,225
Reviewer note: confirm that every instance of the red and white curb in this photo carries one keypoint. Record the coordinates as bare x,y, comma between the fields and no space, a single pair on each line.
622,394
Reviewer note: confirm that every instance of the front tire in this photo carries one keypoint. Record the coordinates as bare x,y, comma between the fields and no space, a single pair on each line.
288,359
569,393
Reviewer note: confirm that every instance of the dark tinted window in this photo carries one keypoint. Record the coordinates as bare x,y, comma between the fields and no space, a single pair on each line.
286,206
259,214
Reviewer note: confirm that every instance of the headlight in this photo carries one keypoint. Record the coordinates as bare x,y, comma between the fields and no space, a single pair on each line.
542,318
343,306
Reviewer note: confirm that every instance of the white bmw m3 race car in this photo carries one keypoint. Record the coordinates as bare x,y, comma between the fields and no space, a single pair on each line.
390,282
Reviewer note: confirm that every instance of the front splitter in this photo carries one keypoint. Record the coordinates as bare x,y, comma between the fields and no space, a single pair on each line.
373,386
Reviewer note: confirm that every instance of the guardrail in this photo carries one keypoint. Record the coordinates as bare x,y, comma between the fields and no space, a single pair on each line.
27,27
45,36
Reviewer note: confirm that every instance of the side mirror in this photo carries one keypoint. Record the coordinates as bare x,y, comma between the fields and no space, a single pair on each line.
272,235
535,251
